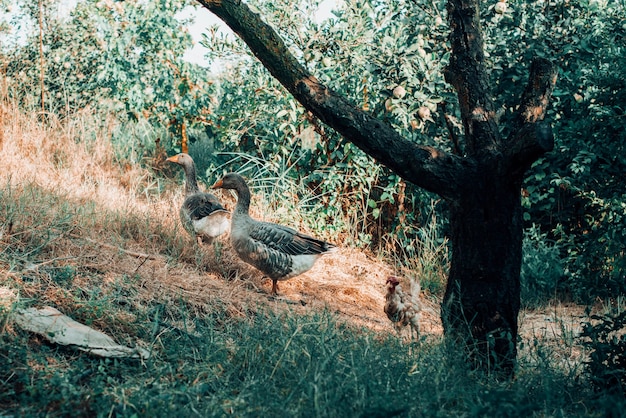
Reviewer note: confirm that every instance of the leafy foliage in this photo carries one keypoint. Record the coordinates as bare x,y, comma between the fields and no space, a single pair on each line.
574,194
542,268
606,342
120,57
355,195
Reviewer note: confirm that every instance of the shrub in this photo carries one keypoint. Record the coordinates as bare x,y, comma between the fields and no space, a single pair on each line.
542,268
606,341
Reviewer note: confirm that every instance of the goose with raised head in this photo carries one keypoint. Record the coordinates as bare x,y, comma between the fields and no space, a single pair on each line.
276,250
202,215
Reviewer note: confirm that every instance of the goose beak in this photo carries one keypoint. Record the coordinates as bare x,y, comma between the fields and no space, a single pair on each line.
218,184
173,159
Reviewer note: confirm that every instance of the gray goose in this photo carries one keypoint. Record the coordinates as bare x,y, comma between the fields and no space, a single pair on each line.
276,250
201,214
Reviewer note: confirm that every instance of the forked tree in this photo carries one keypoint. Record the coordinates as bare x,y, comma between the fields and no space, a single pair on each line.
481,183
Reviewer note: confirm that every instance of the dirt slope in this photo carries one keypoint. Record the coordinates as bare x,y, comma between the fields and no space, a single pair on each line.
347,282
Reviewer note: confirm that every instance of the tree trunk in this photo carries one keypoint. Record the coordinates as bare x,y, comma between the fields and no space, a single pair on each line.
483,186
481,303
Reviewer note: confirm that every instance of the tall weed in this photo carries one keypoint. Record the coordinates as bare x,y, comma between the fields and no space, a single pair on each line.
425,257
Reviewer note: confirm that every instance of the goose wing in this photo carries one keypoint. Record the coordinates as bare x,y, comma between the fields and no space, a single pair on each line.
287,240
201,205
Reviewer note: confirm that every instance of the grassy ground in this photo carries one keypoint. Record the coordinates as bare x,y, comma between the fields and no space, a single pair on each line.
99,239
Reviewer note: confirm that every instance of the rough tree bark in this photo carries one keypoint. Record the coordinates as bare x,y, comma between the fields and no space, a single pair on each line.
482,186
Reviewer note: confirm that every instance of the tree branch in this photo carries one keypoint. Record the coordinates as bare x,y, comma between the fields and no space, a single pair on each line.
423,166
531,137
466,72
454,138
536,96
529,143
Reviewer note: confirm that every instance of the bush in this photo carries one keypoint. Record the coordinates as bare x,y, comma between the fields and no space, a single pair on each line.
542,268
606,342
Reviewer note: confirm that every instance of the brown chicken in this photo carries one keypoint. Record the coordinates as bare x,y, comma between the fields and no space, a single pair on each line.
403,308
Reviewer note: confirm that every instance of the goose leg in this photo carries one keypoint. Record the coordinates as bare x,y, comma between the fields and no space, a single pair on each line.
274,287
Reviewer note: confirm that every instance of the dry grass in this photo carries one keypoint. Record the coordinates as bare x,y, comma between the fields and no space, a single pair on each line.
75,159
50,156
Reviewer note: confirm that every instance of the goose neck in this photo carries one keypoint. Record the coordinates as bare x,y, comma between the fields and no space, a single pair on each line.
243,199
191,183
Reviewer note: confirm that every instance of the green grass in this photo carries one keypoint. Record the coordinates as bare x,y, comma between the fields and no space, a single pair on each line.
272,365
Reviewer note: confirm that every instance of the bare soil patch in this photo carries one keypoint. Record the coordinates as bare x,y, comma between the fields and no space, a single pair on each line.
348,282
